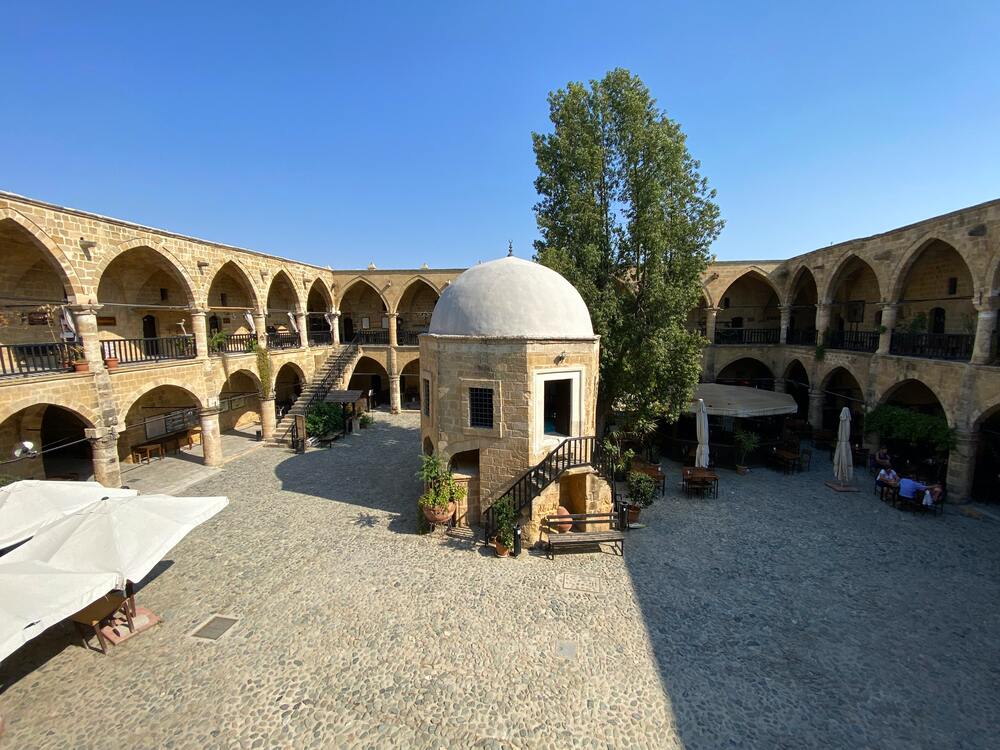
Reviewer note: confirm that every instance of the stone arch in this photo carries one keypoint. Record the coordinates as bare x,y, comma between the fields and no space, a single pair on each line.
412,284
917,392
986,429
837,276
841,387
58,433
897,283
359,301
168,259
922,285
237,272
992,289
797,385
130,399
160,408
239,400
319,303
50,250
368,374
746,371
243,372
706,294
284,279
751,300
350,285
86,414
754,272
697,317
409,384
826,377
319,292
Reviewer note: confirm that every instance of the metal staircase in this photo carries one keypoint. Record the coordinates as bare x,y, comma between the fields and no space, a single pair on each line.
569,454
329,377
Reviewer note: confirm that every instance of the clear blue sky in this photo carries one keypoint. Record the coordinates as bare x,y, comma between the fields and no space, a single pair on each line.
340,133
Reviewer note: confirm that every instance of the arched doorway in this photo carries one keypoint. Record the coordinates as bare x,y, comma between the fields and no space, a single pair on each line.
319,305
36,328
749,312
917,456
986,473
415,309
409,385
363,314
288,385
146,308
802,309
840,389
371,378
855,312
60,449
748,372
936,316
167,415
797,386
239,403
282,306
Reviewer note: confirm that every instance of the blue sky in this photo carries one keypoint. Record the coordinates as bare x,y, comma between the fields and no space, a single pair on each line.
343,133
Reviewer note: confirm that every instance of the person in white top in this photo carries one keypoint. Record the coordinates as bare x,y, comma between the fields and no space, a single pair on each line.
886,476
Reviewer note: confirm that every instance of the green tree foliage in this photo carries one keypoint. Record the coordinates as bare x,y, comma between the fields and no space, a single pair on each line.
898,423
324,419
625,215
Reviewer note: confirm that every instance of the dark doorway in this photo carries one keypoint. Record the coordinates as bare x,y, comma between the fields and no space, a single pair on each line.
213,324
67,452
937,320
558,407
348,329
151,345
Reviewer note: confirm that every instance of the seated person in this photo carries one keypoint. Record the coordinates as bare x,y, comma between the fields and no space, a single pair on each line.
882,459
887,476
908,489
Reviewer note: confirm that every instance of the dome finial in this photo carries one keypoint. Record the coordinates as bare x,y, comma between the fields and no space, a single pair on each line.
510,248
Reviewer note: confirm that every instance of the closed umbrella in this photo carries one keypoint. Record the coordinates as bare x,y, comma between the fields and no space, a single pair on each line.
28,505
126,536
701,421
250,324
292,323
843,458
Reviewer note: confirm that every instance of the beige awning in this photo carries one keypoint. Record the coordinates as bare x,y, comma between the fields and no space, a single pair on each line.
740,401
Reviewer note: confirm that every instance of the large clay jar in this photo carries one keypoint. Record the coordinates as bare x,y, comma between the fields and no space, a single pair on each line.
562,526
633,513
439,516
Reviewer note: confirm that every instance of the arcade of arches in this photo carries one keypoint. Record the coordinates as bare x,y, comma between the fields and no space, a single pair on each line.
105,331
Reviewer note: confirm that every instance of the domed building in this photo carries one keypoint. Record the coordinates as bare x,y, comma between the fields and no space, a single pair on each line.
509,372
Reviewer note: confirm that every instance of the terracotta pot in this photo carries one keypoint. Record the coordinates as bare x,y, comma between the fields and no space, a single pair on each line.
562,526
742,469
439,516
111,362
501,550
81,366
633,513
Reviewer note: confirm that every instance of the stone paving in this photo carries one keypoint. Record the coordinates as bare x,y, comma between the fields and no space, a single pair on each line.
778,615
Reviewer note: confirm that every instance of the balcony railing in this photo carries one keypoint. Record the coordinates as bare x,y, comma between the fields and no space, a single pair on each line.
234,343
408,338
320,338
133,351
801,336
373,337
855,341
747,335
30,359
283,341
956,346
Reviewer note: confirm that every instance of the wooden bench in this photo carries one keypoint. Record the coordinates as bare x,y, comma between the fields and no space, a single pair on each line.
566,540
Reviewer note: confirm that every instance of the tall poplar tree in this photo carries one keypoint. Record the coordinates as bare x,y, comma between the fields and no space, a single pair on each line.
625,215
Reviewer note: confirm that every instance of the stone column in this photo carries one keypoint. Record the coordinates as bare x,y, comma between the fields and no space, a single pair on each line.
889,312
104,448
816,409
711,313
961,465
395,402
393,335
822,321
302,321
260,323
786,316
268,419
985,326
779,385
335,325
199,327
85,319
211,437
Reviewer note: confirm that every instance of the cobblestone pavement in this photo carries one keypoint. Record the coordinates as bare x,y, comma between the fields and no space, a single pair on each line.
778,615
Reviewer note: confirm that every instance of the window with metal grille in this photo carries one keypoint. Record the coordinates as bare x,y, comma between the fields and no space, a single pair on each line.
427,397
481,407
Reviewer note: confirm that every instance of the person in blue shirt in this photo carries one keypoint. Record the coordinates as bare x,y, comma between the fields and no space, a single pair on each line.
908,489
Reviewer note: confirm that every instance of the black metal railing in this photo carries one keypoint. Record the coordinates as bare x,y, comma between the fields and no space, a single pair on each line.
29,359
570,453
283,341
932,345
320,338
373,337
234,343
855,341
747,335
801,336
407,338
333,373
133,351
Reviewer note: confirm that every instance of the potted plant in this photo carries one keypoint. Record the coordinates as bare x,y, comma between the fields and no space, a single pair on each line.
641,489
217,342
110,360
503,516
78,359
366,420
441,491
746,443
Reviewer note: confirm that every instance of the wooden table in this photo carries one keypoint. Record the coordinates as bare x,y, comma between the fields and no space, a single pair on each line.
145,452
653,472
700,479
789,460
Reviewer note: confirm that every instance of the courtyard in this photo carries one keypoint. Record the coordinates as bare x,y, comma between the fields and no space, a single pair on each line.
779,614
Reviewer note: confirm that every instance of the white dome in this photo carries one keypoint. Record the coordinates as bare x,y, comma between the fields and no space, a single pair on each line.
511,298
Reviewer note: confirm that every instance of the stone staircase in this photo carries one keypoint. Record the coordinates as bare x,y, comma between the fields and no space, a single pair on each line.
329,377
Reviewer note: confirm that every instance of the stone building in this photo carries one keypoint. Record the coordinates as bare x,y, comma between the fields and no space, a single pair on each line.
509,372
908,316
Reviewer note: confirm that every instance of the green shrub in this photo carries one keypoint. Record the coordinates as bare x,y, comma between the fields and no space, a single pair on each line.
367,419
746,443
504,517
440,488
324,419
899,423
641,489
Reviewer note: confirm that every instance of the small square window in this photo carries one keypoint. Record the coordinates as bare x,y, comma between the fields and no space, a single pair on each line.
427,397
953,285
164,294
481,408
224,299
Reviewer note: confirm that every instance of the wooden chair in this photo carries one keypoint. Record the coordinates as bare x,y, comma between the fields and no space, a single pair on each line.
100,613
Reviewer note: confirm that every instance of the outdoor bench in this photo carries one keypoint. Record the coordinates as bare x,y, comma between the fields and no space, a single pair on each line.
569,539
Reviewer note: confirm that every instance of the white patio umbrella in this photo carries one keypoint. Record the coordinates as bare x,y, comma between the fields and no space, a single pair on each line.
35,595
126,536
28,505
701,421
249,319
292,323
843,458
